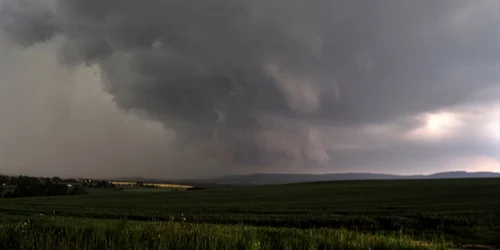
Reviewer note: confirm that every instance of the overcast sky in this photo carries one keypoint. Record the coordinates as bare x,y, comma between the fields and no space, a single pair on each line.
175,89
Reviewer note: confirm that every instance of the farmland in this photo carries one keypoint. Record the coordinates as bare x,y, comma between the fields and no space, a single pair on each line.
459,211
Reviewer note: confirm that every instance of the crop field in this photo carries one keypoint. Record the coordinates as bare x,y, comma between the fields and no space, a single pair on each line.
409,214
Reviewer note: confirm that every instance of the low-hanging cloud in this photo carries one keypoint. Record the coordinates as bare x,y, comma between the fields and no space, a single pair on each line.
253,83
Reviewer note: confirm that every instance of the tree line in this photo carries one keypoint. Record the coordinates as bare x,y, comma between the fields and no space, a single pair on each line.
26,186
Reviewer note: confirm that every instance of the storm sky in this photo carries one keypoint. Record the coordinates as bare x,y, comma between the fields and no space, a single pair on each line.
176,89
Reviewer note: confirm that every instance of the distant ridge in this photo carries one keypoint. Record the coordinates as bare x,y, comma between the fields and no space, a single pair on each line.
276,178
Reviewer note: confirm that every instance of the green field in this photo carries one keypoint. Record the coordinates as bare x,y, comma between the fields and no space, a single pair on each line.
52,233
459,211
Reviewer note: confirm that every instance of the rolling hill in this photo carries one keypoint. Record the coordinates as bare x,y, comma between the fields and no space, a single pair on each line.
266,179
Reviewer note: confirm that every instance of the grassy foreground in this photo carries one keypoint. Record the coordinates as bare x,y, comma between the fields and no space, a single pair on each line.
461,211
71,233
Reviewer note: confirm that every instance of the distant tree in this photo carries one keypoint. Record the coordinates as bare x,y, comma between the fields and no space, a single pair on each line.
45,179
30,190
24,190
27,186
77,190
56,179
11,195
23,180
105,184
4,179
15,193
56,189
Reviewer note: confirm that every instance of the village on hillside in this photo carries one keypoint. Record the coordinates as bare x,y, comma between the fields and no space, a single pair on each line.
28,186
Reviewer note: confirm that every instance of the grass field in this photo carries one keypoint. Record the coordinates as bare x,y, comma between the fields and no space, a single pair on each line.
70,233
460,211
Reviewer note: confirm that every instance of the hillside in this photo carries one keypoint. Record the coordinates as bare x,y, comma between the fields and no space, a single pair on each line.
266,179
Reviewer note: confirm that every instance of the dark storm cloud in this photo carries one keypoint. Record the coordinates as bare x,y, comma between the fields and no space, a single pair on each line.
236,73
30,21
